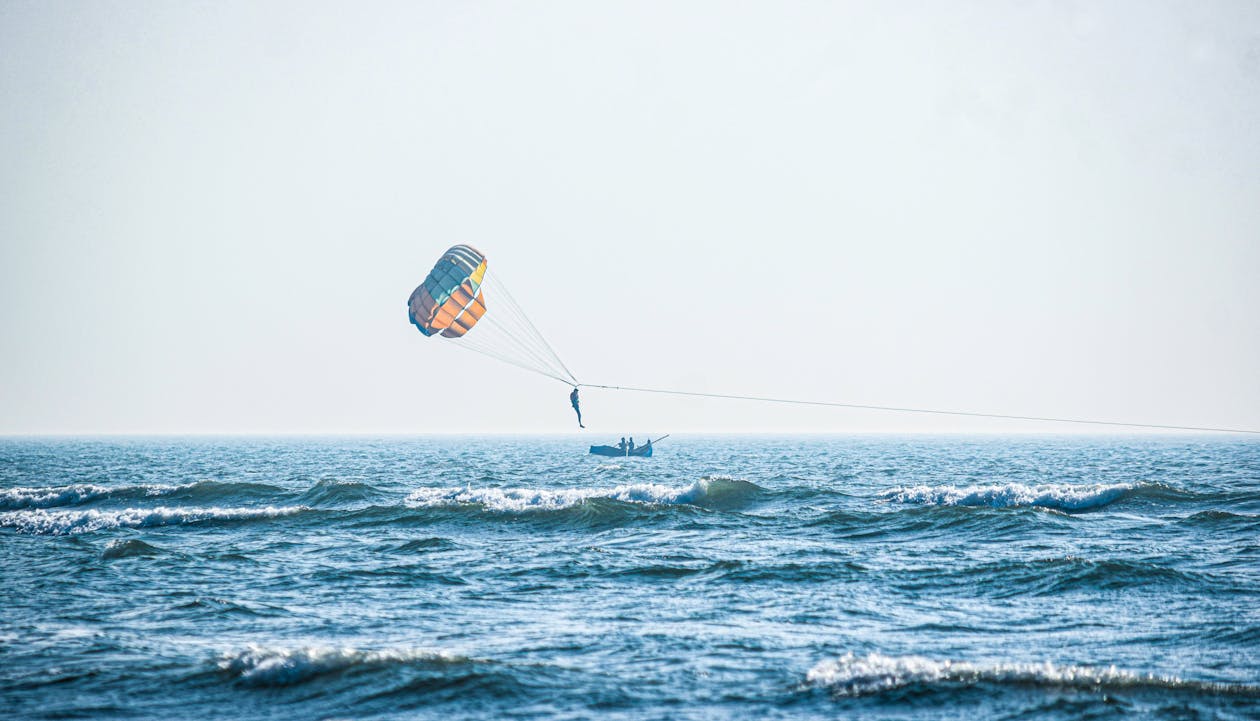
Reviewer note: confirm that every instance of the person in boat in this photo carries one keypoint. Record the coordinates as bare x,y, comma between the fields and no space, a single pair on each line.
632,444
573,398
622,445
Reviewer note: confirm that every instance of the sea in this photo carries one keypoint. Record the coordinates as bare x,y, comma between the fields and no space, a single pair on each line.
727,577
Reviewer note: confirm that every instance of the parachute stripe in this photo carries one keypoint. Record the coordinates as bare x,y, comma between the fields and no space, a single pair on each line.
477,309
465,320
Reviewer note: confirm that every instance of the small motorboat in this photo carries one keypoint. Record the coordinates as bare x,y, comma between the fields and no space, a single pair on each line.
643,451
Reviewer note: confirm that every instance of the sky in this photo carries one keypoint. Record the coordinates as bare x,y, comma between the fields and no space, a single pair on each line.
212,214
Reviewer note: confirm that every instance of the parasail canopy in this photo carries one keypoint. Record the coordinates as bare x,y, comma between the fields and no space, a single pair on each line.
450,301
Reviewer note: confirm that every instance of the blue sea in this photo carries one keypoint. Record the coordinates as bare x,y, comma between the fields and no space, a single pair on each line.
448,578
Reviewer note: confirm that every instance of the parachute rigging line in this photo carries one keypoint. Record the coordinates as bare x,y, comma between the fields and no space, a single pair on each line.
897,409
536,334
506,333
472,346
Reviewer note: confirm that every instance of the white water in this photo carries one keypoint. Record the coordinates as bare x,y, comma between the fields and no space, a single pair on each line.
527,499
40,521
852,675
1060,496
281,666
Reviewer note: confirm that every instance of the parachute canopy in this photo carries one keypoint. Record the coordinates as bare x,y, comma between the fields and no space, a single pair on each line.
450,301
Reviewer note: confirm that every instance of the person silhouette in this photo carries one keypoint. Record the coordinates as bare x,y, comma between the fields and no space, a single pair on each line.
573,398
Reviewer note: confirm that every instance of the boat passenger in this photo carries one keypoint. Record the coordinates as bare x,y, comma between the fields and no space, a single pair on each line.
622,444
632,444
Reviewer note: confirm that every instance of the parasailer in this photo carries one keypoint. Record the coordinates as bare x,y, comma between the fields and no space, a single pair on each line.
573,398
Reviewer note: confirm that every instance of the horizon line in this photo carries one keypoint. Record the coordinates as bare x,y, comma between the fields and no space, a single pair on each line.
539,434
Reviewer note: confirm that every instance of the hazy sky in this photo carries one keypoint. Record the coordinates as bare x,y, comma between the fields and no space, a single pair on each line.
212,214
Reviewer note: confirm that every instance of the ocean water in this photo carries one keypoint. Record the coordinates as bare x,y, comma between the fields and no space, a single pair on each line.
726,578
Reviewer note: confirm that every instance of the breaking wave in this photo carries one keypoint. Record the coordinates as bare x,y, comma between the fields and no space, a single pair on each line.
44,522
35,497
876,673
1058,496
708,492
262,666
80,493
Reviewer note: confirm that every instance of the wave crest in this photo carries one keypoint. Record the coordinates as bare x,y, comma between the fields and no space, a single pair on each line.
875,673
1058,496
44,497
710,492
330,492
128,548
44,522
262,666
78,493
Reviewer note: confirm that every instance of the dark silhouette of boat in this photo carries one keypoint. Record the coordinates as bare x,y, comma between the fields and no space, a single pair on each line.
643,451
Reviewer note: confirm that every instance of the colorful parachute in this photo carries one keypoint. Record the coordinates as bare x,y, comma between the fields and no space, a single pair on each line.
450,301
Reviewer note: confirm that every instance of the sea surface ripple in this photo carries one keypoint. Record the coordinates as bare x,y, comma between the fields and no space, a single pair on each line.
726,578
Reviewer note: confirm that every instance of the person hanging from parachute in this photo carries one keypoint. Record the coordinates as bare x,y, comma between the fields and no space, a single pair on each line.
573,398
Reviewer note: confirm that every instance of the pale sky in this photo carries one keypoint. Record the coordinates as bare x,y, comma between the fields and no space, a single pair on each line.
212,214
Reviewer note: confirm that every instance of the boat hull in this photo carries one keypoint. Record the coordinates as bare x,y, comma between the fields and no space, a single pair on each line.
614,451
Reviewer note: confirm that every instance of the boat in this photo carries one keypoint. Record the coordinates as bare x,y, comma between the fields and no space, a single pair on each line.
643,451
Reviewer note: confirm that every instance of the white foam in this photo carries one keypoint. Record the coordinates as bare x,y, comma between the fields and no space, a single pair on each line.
852,675
266,666
66,522
1060,496
37,497
525,499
